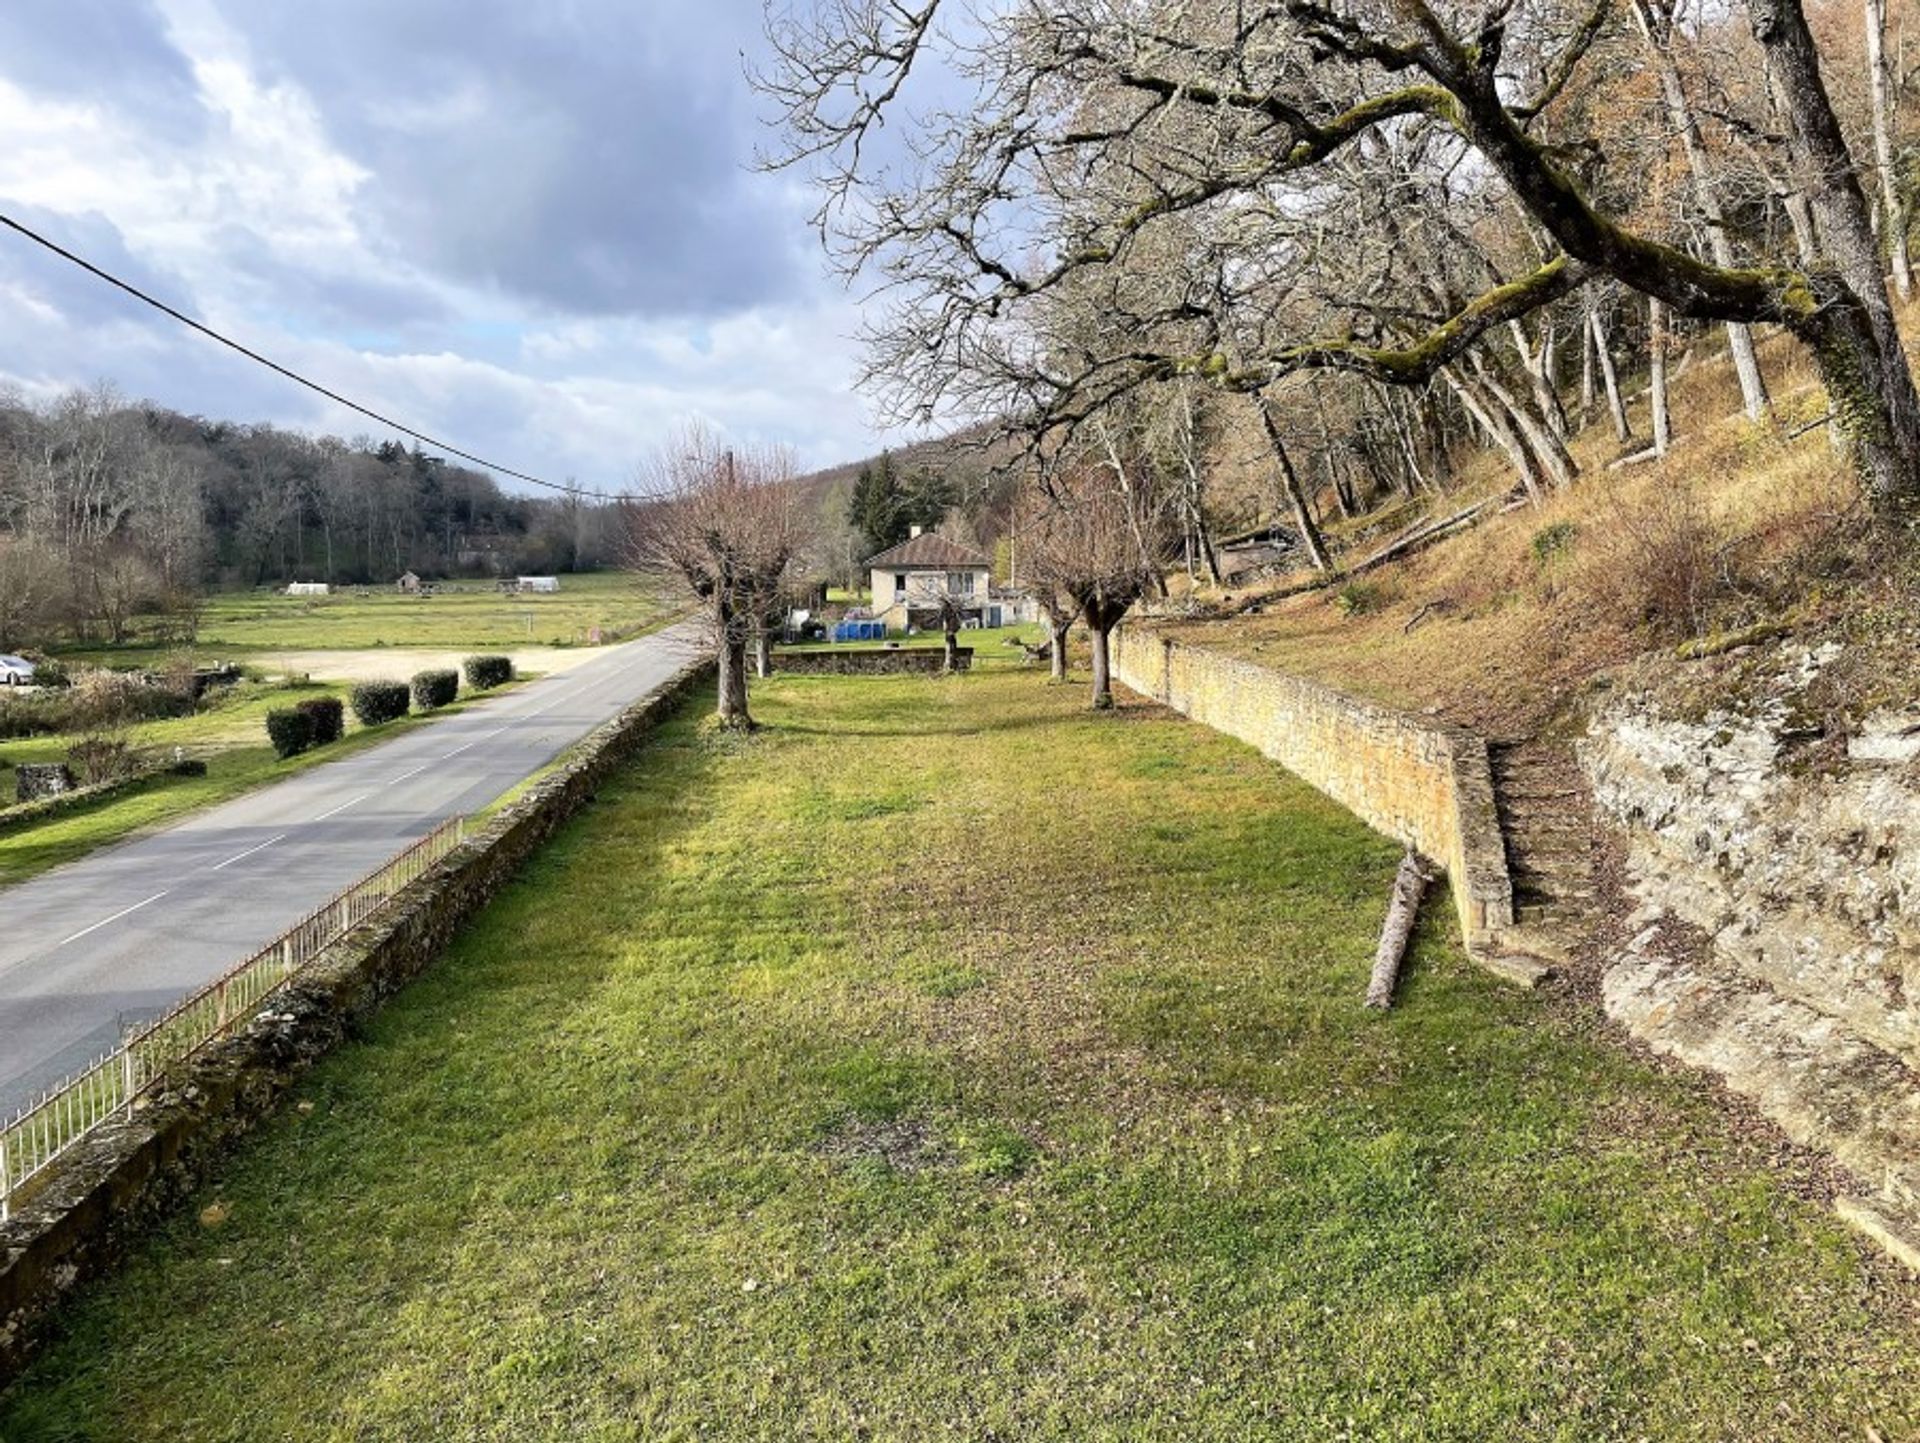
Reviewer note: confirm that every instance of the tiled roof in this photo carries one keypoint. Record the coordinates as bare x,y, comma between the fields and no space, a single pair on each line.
928,551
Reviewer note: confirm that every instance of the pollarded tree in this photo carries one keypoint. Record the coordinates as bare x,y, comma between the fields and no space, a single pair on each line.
1094,536
725,524
1093,124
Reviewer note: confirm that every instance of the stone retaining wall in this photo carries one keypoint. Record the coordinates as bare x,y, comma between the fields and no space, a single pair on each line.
56,804
74,1226
1423,783
882,662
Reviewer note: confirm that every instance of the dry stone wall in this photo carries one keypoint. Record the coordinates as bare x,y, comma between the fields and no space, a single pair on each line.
881,661
1419,781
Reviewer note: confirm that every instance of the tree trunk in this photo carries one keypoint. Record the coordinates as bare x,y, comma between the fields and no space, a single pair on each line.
1303,521
1623,432
1102,670
1746,365
732,709
1057,649
950,645
763,653
1538,366
1657,374
1409,886
1891,206
1851,327
1548,449
1493,420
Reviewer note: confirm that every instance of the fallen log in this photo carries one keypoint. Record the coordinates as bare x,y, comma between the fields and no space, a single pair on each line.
1409,886
1422,534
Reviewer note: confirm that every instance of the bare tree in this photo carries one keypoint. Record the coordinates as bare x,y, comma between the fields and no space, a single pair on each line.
1084,541
723,523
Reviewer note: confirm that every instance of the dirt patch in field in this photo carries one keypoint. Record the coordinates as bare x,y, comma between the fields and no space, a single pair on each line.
399,663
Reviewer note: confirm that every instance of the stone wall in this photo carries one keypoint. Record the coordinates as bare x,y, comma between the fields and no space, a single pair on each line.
75,1225
56,804
883,661
1422,783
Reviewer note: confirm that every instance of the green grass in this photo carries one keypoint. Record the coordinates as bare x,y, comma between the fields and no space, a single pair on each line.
228,733
475,616
947,1062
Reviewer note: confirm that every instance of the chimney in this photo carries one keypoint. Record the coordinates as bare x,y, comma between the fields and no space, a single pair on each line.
912,531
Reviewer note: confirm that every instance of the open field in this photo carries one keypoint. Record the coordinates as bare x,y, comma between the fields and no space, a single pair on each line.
228,733
462,616
949,1062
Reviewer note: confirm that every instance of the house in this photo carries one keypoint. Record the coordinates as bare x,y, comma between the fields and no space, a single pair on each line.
307,588
409,581
911,579
1011,606
15,671
542,584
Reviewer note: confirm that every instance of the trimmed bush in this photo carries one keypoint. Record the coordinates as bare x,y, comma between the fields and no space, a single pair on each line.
375,702
434,688
486,672
290,729
328,717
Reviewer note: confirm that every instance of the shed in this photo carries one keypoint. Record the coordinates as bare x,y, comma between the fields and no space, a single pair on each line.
307,588
537,583
409,581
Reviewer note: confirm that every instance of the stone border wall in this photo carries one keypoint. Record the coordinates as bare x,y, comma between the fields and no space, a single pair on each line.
883,662
1423,783
27,814
75,1226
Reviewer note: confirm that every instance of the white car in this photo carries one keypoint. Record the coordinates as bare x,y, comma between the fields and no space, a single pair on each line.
15,671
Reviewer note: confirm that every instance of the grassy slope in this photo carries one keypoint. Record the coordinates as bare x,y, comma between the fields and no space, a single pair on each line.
229,733
947,1062
1503,630
475,616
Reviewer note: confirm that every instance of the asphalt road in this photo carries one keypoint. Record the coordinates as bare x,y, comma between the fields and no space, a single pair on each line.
115,938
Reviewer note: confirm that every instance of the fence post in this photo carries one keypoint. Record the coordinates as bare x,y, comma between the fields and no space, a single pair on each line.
126,1077
6,1180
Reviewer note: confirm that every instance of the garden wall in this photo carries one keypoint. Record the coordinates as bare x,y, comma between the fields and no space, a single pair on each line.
75,1225
883,662
1423,783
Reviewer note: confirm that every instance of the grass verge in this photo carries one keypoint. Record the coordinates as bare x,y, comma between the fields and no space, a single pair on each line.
945,1061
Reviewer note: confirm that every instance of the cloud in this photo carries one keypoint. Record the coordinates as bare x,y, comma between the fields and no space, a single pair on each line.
530,229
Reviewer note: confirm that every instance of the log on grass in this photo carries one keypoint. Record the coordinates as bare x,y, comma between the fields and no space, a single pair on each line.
1409,886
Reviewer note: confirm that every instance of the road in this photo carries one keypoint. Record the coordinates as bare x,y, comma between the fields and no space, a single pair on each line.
119,936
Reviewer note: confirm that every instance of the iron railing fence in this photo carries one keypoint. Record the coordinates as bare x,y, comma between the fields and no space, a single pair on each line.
107,1089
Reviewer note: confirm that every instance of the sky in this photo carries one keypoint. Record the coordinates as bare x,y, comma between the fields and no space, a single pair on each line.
533,230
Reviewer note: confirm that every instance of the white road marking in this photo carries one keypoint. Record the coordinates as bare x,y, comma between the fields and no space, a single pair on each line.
404,775
455,752
124,911
343,806
220,866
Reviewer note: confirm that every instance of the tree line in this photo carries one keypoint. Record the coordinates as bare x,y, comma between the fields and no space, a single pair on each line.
110,510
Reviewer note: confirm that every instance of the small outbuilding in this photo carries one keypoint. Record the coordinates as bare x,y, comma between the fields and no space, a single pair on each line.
409,582
308,588
16,671
541,584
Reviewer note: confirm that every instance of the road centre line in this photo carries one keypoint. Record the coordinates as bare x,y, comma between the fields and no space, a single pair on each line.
124,911
395,781
221,866
342,807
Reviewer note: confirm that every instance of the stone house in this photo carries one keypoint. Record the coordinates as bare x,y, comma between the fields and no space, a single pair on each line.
409,581
909,580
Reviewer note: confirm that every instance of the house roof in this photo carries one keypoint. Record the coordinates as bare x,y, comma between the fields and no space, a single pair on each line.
929,552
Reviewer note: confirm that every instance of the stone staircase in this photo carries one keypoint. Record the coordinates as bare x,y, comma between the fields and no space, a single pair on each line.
1547,823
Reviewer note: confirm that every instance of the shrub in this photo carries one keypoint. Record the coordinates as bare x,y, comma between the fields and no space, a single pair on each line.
1358,598
328,718
102,758
1554,539
290,729
486,672
434,688
375,702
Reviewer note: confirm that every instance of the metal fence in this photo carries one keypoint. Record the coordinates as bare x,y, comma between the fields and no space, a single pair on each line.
108,1088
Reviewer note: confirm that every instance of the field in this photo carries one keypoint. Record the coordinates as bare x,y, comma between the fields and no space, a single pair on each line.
228,733
948,1062
461,616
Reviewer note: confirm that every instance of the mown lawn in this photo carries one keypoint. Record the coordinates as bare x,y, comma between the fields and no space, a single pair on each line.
461,614
946,1062
228,732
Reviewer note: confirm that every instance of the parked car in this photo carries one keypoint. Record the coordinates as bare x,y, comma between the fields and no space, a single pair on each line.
15,671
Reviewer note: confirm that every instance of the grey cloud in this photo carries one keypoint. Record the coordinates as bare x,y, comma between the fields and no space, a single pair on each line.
113,51
604,170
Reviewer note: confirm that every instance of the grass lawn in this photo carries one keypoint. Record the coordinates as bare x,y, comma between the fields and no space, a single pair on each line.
475,615
228,732
948,1062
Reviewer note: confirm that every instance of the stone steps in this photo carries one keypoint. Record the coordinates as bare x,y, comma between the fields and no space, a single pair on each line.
1546,821
1821,1084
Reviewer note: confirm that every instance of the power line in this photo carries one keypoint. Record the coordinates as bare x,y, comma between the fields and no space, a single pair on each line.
188,321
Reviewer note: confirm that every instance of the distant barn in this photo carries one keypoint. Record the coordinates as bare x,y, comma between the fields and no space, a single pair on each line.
307,588
409,581
537,583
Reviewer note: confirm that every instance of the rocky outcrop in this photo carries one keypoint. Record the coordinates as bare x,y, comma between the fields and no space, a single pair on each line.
1797,865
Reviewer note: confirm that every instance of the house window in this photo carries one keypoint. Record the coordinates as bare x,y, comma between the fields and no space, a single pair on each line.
960,583
899,584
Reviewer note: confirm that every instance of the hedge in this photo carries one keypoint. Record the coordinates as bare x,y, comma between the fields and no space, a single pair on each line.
487,672
290,729
328,717
435,688
379,701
